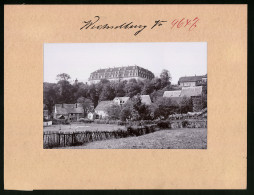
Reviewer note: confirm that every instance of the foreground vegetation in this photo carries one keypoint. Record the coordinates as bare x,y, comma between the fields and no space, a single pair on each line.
84,127
164,139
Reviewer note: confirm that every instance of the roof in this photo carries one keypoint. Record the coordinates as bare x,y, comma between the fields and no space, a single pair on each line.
45,107
69,108
103,105
145,99
191,91
125,99
123,68
191,78
172,93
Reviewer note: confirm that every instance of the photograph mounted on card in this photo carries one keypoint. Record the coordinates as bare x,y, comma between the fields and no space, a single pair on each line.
125,97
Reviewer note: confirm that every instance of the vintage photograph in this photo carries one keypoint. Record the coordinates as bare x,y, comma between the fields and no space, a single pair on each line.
125,95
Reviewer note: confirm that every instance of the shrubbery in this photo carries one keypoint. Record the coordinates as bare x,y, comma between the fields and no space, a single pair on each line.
164,124
85,120
57,122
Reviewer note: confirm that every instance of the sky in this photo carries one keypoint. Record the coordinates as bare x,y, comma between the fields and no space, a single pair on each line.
80,59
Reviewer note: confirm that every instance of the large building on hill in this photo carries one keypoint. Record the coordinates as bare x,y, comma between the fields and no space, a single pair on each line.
121,73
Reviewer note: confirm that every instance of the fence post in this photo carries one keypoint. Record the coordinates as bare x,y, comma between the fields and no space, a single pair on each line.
72,138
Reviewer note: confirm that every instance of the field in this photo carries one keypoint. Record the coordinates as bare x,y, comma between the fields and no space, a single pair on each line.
165,139
84,127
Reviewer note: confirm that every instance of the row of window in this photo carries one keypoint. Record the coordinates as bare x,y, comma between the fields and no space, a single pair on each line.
97,76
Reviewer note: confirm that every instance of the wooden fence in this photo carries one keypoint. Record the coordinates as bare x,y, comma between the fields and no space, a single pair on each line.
61,139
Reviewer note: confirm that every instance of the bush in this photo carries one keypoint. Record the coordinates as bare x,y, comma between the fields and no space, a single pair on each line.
85,120
163,124
185,123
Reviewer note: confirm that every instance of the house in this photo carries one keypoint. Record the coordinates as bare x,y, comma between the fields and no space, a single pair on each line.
191,91
92,116
172,93
192,81
102,109
194,93
145,99
186,91
71,112
45,112
120,100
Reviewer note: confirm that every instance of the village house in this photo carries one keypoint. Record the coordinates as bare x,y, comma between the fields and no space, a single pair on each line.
194,93
145,99
71,112
92,115
102,108
192,81
170,94
120,100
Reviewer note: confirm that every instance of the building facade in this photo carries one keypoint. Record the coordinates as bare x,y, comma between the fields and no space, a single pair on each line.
71,112
101,109
120,73
194,93
192,81
121,100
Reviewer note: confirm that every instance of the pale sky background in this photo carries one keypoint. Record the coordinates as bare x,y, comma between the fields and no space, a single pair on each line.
80,59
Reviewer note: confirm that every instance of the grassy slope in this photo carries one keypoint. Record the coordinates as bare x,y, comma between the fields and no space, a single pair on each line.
164,139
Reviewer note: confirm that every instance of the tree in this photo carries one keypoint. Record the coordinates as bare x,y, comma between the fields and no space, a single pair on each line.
107,93
114,111
126,111
164,107
63,77
132,88
156,83
185,105
204,100
118,88
87,104
93,95
156,94
148,87
165,78
50,95
65,91
104,81
140,111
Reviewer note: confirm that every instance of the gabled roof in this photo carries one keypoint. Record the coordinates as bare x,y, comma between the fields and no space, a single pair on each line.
191,78
125,99
191,91
145,99
103,105
69,108
172,93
